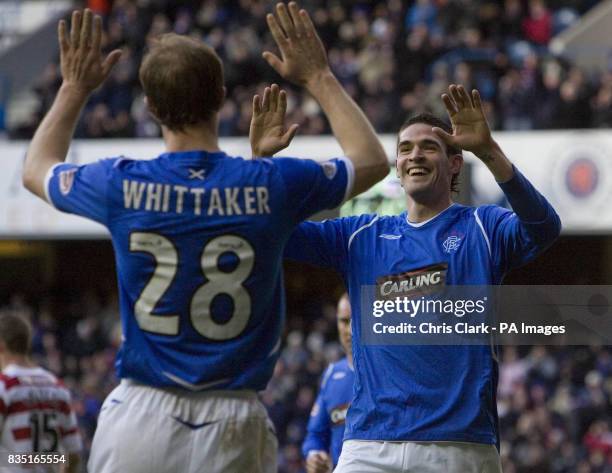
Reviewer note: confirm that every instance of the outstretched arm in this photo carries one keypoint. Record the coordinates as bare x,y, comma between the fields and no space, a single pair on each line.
515,241
304,62
84,68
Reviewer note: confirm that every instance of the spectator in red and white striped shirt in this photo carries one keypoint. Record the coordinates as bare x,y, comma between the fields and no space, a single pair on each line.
35,411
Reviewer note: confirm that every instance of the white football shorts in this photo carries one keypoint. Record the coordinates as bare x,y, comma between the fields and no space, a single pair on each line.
152,430
365,456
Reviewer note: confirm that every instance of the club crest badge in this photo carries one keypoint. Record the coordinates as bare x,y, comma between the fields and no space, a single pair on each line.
452,243
329,169
66,179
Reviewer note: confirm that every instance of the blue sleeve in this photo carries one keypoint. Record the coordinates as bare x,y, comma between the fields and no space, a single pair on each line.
80,190
318,434
517,237
312,187
323,244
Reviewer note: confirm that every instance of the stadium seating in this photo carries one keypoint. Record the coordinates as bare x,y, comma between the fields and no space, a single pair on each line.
391,57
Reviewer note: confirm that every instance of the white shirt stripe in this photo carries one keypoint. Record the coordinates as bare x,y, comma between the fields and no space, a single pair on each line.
350,178
359,229
479,222
48,177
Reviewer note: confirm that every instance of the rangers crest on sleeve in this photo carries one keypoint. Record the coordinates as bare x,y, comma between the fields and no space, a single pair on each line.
66,179
329,169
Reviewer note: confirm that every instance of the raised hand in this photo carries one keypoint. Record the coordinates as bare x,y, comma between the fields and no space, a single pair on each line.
303,56
83,66
268,134
471,131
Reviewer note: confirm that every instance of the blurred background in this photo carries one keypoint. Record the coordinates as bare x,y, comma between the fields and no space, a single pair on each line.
544,69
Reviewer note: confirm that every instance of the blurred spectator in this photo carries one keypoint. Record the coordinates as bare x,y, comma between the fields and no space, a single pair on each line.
422,12
388,54
99,7
555,403
602,103
537,27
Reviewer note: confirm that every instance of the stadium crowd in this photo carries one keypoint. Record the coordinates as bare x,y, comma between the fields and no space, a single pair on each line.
394,57
554,402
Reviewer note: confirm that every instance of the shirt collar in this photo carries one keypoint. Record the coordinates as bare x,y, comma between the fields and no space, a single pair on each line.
420,224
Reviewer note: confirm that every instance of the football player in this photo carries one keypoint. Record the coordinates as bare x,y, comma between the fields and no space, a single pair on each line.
198,238
36,416
323,442
429,407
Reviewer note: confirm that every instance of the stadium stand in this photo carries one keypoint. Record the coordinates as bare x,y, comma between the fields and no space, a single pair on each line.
386,53
554,402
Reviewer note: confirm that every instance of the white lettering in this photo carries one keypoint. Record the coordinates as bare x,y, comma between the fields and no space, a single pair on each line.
262,200
215,202
197,194
180,192
231,204
132,194
154,195
249,199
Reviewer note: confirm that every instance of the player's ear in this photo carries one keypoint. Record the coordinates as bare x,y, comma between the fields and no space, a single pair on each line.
456,162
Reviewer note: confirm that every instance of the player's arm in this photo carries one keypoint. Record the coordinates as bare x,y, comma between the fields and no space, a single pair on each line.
317,442
534,225
83,68
324,244
304,62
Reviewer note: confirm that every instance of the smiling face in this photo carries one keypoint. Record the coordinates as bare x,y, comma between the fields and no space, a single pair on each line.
423,166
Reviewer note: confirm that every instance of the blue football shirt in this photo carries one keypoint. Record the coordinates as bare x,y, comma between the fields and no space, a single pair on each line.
427,393
325,430
198,240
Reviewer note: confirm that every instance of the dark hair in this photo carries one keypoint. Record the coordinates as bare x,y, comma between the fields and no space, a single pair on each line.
15,332
430,119
183,81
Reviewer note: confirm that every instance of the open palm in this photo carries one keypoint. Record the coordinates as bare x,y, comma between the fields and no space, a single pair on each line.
268,134
471,131
83,64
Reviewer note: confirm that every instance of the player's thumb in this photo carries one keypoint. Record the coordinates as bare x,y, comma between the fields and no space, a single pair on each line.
110,61
444,136
287,138
273,60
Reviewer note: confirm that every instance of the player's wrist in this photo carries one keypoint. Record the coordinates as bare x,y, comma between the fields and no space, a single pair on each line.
319,81
496,161
488,150
74,90
257,153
